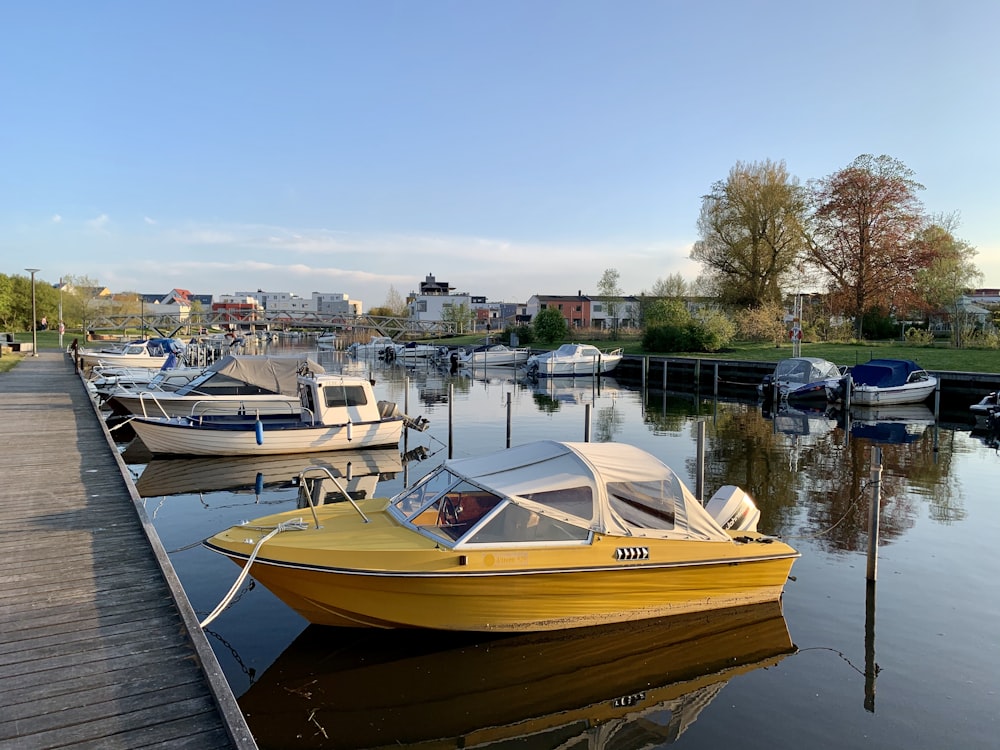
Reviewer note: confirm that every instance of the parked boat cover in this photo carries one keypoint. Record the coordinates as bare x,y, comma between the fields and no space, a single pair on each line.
276,374
884,373
622,480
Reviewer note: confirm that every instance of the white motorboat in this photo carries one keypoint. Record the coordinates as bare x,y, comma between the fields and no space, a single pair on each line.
379,347
494,355
890,381
805,380
573,360
412,351
338,412
147,353
234,384
327,339
987,408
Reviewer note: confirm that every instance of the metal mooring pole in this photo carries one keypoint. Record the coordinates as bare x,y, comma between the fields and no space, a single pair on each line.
873,516
508,419
451,419
699,483
586,423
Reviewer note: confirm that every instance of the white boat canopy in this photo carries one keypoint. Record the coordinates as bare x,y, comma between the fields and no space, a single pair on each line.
552,491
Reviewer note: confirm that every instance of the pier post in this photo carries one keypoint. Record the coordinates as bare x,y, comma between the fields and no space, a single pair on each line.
664,374
451,419
715,381
699,483
586,423
873,516
508,419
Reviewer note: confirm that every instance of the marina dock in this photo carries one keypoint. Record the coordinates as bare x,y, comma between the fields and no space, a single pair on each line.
99,646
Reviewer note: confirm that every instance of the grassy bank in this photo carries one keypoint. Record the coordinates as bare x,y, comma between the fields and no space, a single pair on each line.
936,357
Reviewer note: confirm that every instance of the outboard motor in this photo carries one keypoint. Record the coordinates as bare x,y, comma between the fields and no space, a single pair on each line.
733,509
453,359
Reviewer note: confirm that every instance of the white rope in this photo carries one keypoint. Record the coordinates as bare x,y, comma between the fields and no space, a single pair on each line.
296,524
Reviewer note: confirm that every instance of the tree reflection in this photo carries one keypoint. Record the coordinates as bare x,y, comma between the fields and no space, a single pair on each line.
816,483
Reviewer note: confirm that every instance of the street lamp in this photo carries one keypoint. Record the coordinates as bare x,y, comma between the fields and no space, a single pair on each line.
62,326
34,324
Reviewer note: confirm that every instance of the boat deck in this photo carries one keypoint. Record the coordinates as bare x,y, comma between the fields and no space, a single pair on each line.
99,646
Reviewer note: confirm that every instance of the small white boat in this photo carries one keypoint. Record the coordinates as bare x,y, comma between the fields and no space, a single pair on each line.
338,412
234,384
327,339
412,350
494,355
379,347
890,381
986,408
805,380
148,353
106,380
574,359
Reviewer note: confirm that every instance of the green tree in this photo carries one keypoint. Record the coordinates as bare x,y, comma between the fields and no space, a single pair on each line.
864,220
394,303
611,295
461,316
950,273
752,233
550,326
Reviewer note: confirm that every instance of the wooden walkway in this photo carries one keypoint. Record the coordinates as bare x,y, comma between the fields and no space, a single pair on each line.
99,646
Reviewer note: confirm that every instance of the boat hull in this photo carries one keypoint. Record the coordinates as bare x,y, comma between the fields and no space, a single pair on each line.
911,393
579,368
180,438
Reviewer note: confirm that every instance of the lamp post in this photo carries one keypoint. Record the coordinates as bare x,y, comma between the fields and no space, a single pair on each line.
34,324
62,326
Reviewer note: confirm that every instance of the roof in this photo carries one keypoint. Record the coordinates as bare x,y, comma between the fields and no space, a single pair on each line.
277,374
623,479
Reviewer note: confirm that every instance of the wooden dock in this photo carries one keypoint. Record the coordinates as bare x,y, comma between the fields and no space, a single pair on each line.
99,646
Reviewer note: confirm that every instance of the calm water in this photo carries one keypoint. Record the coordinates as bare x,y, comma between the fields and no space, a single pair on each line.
914,663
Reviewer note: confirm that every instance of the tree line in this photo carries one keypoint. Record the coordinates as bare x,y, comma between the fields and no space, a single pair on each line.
860,235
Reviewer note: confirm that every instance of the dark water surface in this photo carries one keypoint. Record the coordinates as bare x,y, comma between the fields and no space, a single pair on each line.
913,662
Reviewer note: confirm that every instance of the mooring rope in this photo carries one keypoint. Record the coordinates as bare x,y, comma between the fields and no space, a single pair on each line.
295,524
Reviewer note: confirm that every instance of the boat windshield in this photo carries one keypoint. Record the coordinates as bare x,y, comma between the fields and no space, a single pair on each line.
459,512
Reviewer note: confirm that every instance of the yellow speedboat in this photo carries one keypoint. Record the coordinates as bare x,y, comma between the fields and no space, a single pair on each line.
543,536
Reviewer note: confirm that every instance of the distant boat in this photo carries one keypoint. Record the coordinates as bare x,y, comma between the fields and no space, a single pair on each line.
327,339
379,347
145,353
891,381
571,360
804,380
494,355
338,412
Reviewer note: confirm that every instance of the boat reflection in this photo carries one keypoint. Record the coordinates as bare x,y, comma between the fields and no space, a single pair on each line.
905,423
360,470
620,686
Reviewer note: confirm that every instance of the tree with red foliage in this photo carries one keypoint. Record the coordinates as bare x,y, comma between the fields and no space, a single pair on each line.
865,218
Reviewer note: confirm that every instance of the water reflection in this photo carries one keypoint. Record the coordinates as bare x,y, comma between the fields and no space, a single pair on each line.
633,685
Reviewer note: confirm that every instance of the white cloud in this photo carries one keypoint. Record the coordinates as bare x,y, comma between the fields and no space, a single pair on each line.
56,219
100,223
151,222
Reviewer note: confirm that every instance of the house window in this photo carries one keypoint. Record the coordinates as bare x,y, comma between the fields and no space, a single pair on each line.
598,307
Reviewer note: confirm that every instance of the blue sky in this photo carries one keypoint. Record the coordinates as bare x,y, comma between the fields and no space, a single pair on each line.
508,148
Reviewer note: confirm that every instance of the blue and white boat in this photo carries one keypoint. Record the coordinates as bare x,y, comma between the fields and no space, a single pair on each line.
891,381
